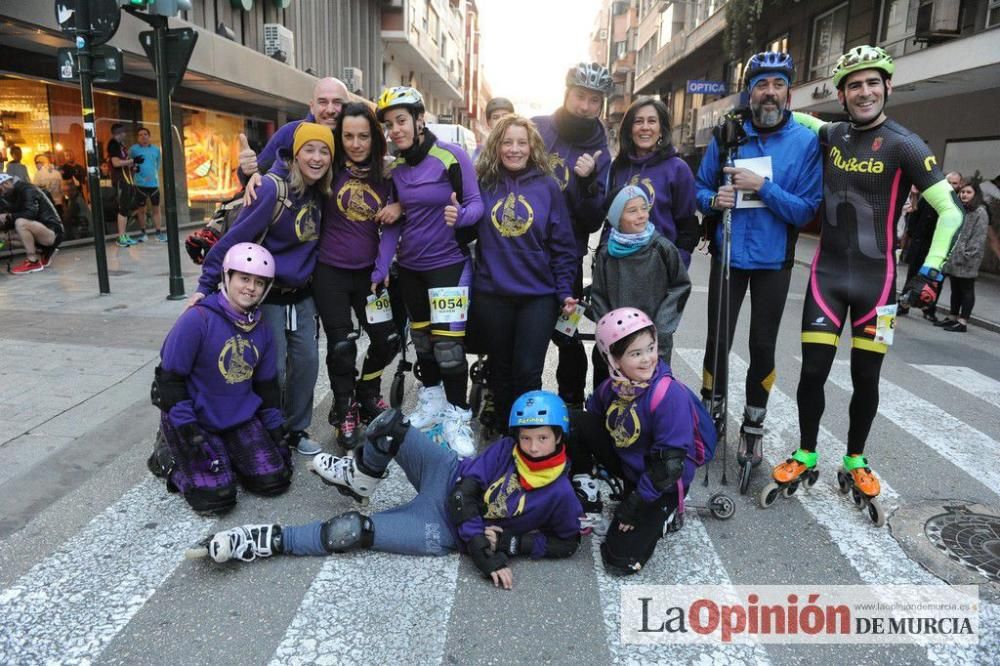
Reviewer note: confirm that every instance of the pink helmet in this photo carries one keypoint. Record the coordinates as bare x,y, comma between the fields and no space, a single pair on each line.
248,258
616,325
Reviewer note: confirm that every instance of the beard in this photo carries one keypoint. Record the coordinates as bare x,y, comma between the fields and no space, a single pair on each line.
767,117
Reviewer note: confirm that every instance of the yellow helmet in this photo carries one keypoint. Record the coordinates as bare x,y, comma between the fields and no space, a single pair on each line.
862,57
399,96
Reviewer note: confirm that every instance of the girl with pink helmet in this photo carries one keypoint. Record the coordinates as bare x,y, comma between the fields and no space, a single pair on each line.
642,426
217,391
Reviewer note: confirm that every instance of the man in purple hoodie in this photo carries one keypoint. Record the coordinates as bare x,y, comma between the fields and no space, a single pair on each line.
578,143
217,389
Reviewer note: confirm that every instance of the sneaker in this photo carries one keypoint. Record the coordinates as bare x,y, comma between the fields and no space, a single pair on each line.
162,237
28,266
457,431
141,238
301,442
45,255
125,241
246,543
431,402
941,323
345,474
956,327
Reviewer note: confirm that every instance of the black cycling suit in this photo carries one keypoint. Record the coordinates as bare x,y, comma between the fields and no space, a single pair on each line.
868,174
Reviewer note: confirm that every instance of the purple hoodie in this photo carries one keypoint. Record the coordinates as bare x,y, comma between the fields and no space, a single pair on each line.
671,425
425,181
526,245
293,239
669,183
552,509
211,346
584,197
350,236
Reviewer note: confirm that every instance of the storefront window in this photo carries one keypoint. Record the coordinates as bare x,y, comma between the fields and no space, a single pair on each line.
211,156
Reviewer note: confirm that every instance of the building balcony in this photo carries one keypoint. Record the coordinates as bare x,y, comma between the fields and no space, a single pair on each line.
678,48
421,54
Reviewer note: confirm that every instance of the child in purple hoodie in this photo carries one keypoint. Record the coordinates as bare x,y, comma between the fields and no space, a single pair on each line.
513,499
217,389
525,259
640,426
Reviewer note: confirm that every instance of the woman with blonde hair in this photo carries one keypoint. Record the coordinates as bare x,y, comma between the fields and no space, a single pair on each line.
525,259
284,218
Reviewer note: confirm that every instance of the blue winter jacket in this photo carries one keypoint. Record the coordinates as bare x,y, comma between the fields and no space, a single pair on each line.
764,238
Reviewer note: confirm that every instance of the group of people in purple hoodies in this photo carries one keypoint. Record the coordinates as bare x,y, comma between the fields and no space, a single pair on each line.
338,230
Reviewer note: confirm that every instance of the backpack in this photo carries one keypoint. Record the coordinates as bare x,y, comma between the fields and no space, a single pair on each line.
226,215
705,435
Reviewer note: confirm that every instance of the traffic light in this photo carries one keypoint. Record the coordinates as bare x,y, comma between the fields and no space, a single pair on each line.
135,4
158,7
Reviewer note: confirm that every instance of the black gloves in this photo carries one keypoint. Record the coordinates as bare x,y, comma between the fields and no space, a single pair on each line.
485,559
629,510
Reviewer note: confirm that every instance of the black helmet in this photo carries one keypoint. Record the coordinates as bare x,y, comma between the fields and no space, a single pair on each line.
592,76
498,103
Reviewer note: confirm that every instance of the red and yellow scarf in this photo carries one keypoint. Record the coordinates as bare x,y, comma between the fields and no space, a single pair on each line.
535,473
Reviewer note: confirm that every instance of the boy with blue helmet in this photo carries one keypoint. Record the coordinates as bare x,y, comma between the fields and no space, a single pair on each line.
514,498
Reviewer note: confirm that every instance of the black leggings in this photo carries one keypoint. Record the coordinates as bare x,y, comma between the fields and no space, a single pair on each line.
336,292
413,286
571,373
963,296
589,443
768,292
817,359
515,332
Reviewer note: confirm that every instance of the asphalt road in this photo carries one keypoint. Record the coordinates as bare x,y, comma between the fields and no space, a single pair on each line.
91,547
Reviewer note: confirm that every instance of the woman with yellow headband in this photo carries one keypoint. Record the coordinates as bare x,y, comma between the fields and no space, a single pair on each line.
285,219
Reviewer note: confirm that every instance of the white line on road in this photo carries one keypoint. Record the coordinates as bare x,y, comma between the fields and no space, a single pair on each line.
70,606
873,553
972,451
983,387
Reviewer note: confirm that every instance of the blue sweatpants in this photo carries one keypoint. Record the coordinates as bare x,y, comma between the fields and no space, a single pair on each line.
419,527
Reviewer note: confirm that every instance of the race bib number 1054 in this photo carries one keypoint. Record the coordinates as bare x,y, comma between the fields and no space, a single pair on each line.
448,304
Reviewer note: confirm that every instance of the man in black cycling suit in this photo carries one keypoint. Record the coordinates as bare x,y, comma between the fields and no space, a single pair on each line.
871,162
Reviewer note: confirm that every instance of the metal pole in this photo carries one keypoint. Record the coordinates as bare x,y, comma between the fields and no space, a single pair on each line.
90,142
167,139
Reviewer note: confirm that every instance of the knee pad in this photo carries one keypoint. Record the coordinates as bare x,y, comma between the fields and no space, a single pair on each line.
211,501
383,348
347,531
344,357
421,338
450,357
268,485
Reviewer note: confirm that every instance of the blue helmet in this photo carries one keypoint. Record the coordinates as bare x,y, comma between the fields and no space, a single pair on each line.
539,408
769,63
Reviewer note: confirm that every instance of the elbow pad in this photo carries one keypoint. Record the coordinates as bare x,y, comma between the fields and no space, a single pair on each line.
168,389
465,501
559,548
665,467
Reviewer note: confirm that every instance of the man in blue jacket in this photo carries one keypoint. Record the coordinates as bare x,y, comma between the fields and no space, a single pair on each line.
771,198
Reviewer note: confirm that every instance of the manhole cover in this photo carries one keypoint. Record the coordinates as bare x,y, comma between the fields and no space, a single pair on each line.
956,540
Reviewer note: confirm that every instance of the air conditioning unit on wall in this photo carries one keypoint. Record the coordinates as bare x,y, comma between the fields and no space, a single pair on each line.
353,79
279,43
938,21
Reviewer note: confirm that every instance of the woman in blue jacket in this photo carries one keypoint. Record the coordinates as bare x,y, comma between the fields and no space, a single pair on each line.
525,259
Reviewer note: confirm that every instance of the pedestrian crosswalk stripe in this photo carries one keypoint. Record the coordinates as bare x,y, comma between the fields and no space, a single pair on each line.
962,445
968,380
69,607
872,552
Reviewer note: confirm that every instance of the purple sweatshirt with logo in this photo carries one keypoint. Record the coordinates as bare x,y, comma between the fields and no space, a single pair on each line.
584,196
220,361
669,183
424,183
350,237
526,245
646,430
551,510
293,239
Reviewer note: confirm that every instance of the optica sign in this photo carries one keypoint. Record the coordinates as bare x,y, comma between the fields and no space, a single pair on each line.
706,87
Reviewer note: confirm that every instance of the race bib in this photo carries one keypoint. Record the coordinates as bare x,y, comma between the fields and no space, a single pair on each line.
448,304
378,309
885,323
568,323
